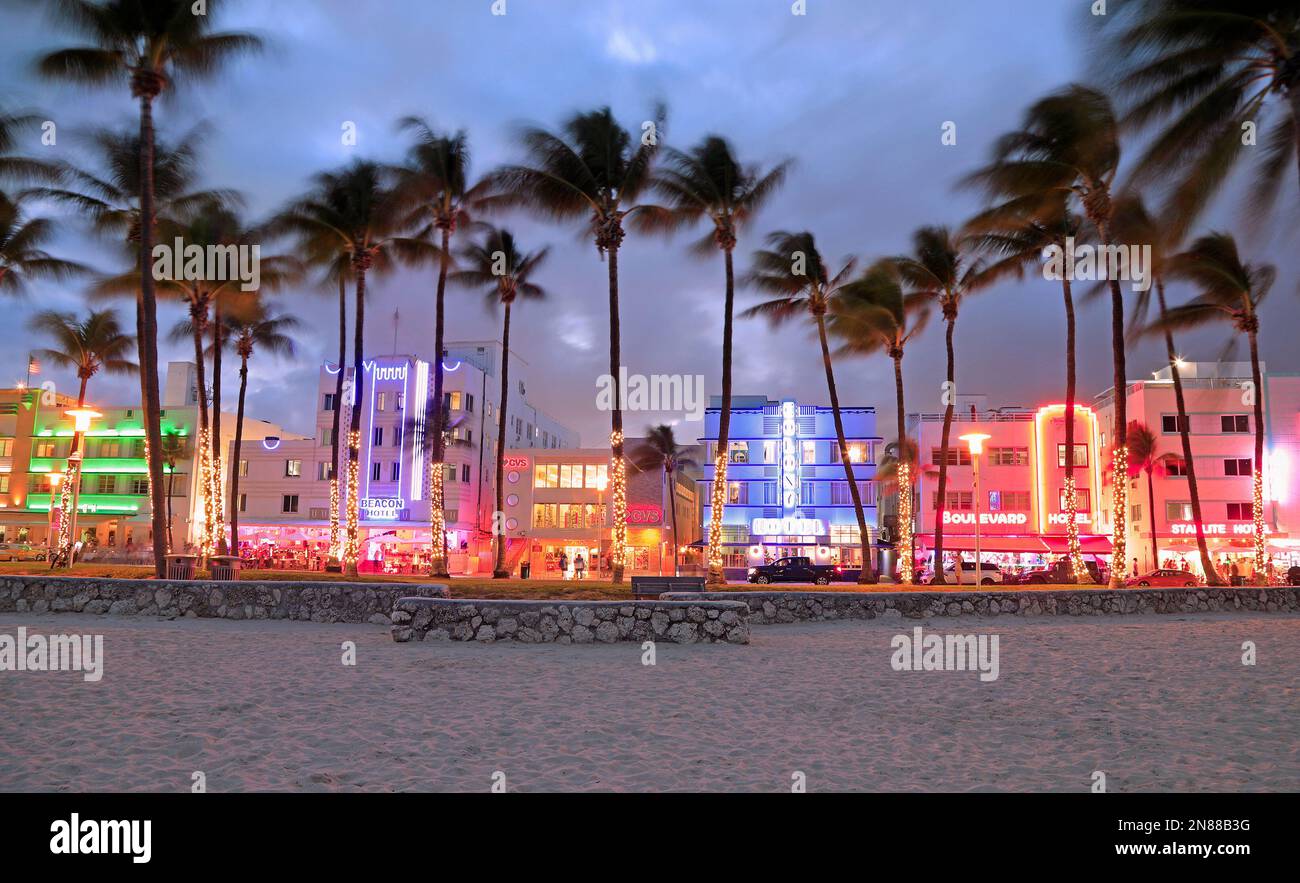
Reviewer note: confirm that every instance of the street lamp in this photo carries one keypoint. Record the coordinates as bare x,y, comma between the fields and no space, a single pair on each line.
81,417
975,441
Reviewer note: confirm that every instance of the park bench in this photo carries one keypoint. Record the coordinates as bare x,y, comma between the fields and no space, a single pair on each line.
644,587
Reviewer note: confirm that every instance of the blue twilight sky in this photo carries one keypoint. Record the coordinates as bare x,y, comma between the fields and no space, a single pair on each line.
855,90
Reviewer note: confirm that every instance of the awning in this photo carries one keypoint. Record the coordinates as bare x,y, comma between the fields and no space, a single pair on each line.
963,543
1089,545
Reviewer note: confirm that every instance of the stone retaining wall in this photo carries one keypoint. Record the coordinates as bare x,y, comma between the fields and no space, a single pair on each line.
314,601
571,622
775,607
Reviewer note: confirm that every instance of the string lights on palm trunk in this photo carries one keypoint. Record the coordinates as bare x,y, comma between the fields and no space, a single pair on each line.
906,563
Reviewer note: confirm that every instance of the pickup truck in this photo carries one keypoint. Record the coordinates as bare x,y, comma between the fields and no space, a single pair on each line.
793,570
1059,572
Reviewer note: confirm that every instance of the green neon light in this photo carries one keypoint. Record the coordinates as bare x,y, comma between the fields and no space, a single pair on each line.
96,465
90,504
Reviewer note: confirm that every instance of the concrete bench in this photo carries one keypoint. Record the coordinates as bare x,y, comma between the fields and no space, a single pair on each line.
644,587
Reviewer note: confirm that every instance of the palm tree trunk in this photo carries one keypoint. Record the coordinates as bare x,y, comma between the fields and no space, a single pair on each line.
865,572
337,417
617,479
1257,494
1212,576
352,549
672,503
239,443
1077,565
499,570
1151,504
218,515
1119,486
198,323
941,502
171,487
722,455
148,342
906,538
437,473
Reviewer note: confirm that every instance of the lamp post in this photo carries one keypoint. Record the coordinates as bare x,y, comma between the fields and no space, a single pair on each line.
975,441
81,417
602,482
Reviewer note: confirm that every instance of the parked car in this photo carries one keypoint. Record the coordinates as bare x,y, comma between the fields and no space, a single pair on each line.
1060,572
793,570
989,574
1164,578
21,552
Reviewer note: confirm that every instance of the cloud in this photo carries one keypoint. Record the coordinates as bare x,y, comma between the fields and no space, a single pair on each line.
630,47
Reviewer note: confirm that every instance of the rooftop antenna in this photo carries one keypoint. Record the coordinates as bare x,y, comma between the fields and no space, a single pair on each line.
396,317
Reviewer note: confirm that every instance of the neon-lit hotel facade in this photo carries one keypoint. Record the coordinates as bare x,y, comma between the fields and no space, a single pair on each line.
1021,505
786,488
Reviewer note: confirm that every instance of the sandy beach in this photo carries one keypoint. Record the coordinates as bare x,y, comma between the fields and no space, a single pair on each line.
1157,703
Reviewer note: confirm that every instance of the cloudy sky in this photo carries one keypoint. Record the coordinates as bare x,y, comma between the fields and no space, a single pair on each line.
855,91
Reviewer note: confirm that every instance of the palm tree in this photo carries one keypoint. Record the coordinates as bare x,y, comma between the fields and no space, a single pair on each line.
710,182
593,170
1014,241
660,451
147,44
251,326
874,315
793,269
87,346
1068,147
435,180
498,265
1145,456
1231,290
358,209
173,449
941,270
1132,223
17,167
1204,72
21,258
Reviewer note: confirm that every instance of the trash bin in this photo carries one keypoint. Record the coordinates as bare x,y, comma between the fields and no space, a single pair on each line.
225,568
180,566
525,569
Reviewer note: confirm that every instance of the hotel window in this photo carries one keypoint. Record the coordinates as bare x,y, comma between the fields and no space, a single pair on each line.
858,452
771,496
737,493
995,501
1080,455
464,472
469,403
1082,501
243,502
377,437
330,402
840,493
845,535
292,468
1237,466
448,472
399,401
595,472
323,471
957,456
327,437
4,484
44,449
1240,512
381,399
243,468
738,452
809,452
289,503
1135,514
139,486
957,501
109,448
1008,456
106,484
1169,423
769,451
807,492
1175,467
1178,511
1015,501
543,515
6,447
397,437
395,472
1235,423
451,401
376,467
567,478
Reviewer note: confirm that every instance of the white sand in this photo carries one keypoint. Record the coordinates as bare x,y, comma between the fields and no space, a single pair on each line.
1158,703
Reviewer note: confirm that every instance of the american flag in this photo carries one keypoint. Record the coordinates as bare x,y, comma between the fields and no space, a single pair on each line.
33,365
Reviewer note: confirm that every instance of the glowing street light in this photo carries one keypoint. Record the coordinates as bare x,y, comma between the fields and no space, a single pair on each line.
81,417
975,441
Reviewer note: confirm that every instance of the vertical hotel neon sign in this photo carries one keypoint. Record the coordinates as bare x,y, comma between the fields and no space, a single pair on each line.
791,485
417,447
1044,463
